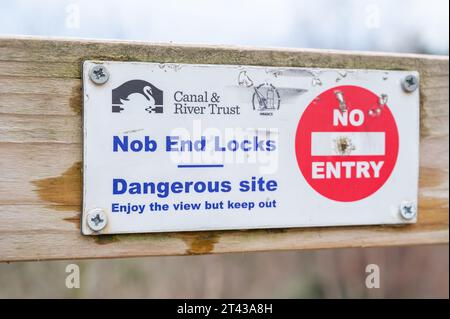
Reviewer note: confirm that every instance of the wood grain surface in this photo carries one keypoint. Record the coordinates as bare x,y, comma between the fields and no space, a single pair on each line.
41,152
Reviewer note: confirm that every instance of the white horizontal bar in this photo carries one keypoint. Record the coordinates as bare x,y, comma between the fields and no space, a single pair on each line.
354,143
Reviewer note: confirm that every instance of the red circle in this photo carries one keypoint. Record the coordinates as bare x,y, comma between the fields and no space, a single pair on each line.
318,117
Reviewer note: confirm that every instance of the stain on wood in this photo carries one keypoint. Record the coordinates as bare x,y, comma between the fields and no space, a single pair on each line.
106,239
75,100
73,219
200,243
432,177
433,210
60,191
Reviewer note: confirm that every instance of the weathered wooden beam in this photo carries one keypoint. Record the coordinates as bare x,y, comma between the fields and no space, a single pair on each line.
41,152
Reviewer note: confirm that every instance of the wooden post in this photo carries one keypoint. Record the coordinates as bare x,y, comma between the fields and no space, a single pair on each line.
41,152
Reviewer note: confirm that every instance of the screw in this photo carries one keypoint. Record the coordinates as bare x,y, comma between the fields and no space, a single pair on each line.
410,83
99,74
408,210
96,219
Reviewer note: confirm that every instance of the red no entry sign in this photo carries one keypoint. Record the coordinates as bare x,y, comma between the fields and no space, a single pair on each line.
347,143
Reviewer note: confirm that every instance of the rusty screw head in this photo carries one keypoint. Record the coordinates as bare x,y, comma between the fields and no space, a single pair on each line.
99,74
408,210
96,219
410,83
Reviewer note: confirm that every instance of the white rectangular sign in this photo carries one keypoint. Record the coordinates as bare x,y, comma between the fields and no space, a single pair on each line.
180,147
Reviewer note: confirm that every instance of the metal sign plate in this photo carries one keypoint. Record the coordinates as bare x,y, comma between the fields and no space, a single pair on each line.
179,147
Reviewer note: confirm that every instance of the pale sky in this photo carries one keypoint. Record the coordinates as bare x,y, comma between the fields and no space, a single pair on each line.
378,25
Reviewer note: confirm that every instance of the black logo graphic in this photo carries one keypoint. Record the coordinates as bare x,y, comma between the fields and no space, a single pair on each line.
153,95
266,99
